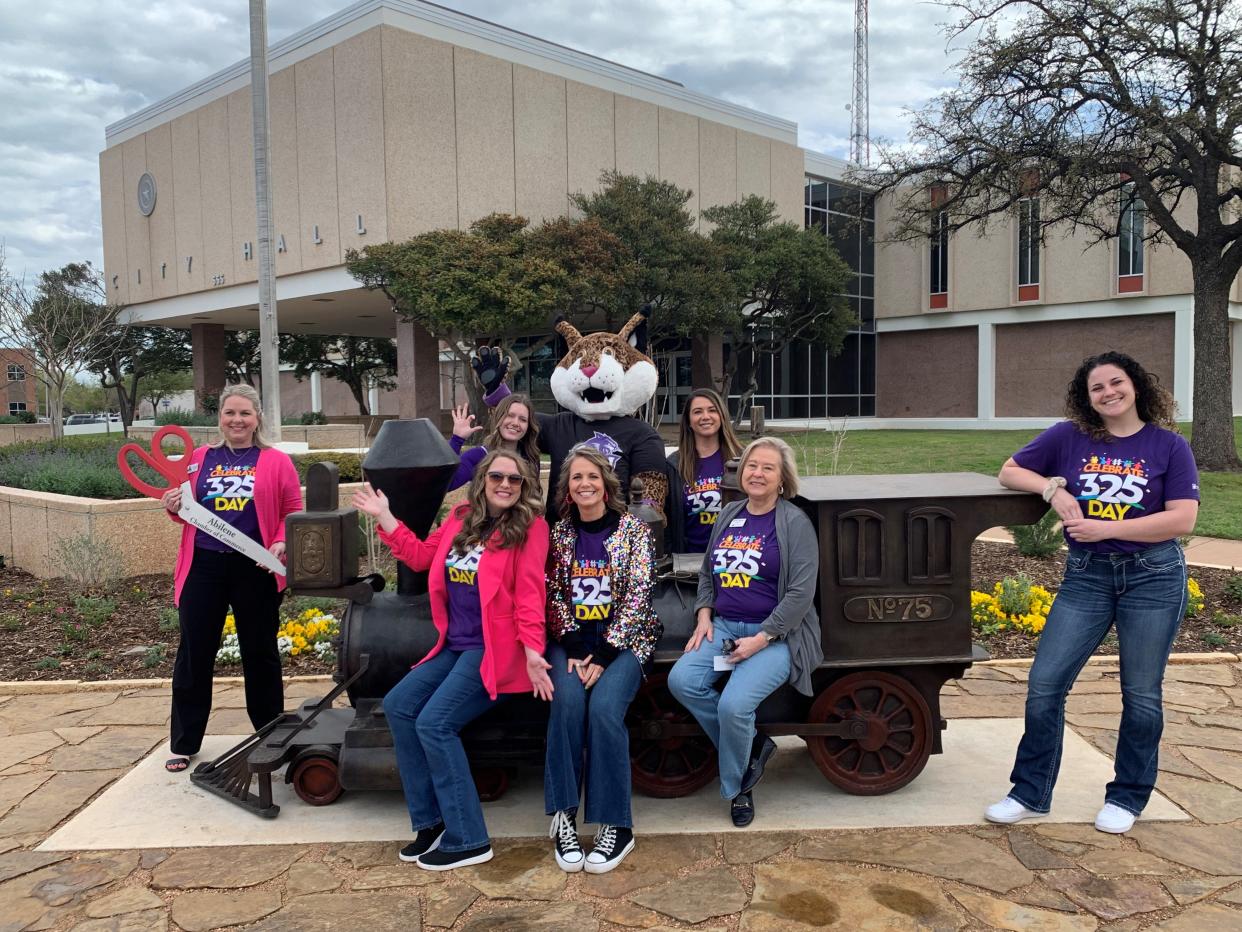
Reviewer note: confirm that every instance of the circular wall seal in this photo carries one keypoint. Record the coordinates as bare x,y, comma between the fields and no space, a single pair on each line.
146,194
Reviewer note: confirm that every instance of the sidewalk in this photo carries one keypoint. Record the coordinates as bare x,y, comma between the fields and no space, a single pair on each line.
63,745
1212,552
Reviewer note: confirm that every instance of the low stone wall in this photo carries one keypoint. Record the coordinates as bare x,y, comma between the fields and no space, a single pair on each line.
33,525
315,436
21,433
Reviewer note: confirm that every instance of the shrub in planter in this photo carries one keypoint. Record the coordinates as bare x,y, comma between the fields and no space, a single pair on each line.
1041,539
349,464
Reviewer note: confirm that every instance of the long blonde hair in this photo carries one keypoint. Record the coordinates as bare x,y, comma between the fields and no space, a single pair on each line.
241,390
510,529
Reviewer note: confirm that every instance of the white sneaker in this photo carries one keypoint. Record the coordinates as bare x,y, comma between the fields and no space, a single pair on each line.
1008,811
564,833
1114,820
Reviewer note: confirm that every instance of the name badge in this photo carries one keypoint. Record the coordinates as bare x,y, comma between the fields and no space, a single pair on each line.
192,468
738,522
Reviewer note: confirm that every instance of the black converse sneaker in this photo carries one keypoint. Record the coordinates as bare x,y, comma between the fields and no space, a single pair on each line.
441,860
427,839
612,844
564,833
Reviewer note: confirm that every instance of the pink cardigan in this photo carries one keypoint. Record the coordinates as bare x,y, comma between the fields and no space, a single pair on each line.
511,595
277,494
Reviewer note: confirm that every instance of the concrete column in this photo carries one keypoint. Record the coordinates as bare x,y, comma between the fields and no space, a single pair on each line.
373,398
986,390
418,372
1184,361
706,360
207,350
316,387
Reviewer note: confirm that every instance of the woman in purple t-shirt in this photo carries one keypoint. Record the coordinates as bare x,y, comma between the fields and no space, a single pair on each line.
513,427
603,629
1125,486
705,442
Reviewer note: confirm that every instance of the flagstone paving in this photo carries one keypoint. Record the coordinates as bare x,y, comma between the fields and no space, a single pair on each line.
63,744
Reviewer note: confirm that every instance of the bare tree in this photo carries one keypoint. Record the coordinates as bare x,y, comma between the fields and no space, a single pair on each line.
65,321
1109,109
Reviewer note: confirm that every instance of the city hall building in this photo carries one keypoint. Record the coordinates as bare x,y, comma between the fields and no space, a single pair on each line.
396,117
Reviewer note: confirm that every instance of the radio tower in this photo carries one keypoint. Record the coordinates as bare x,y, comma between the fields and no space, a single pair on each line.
860,133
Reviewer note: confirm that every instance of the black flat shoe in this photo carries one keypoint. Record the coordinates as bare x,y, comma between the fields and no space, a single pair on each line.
761,752
743,810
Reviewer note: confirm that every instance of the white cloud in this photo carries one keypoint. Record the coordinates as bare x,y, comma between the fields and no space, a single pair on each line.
69,68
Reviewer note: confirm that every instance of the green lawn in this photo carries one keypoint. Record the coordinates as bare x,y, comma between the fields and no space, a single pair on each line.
867,452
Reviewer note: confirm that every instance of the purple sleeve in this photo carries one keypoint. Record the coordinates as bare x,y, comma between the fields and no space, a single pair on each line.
1181,479
496,397
456,443
1044,454
465,469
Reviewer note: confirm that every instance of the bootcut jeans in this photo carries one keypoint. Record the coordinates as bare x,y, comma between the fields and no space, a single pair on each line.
591,719
1144,595
426,712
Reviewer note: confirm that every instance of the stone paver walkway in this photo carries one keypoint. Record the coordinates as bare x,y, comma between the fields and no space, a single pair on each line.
61,745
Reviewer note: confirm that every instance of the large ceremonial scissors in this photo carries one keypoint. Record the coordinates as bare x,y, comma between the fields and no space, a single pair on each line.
177,472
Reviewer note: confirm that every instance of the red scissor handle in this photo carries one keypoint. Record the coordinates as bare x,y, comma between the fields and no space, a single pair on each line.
176,472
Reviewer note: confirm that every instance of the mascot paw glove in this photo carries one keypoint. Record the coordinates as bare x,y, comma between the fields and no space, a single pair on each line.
491,366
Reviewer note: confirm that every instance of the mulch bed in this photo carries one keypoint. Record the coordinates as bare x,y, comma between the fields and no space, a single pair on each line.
51,632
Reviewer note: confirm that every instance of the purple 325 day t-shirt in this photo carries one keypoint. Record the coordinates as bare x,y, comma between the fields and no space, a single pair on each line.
465,625
590,579
702,502
746,562
1118,478
225,487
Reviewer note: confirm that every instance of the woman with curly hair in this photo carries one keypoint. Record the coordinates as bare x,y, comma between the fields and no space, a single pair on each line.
513,427
486,588
1125,486
705,442
604,629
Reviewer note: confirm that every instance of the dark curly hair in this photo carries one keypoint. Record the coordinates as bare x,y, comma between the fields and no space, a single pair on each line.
1152,401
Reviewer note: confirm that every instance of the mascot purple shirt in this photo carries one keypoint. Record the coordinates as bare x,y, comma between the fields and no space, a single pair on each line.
600,382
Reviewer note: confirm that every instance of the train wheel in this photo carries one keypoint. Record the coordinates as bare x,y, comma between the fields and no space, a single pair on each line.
491,782
895,745
317,780
669,767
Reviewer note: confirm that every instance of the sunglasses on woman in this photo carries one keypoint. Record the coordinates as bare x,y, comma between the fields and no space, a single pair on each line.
504,478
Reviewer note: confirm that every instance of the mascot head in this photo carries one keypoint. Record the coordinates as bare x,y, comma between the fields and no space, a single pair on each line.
605,374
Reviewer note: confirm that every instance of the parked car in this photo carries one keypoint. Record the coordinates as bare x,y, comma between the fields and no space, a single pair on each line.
84,419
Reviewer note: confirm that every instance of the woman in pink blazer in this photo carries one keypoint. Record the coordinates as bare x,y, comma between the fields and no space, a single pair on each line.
486,586
245,481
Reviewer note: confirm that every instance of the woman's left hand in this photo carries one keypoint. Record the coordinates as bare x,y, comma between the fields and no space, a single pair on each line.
1089,530
278,551
589,674
747,647
537,669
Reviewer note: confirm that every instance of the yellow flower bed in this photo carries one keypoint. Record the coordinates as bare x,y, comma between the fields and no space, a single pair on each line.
310,632
1012,605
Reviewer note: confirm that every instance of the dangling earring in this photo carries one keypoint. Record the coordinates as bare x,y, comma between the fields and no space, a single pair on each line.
781,490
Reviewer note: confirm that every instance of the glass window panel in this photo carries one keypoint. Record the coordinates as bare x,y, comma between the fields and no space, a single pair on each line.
843,369
779,407
866,407
819,406
799,368
866,363
798,407
844,199
819,371
844,235
817,193
866,312
866,286
843,406
867,253
817,220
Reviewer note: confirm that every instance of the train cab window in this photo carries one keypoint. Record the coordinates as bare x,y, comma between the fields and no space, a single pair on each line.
860,547
929,545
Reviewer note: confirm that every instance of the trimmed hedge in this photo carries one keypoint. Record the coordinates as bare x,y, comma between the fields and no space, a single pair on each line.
349,464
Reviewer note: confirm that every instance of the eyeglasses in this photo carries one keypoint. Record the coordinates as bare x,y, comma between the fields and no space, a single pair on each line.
505,478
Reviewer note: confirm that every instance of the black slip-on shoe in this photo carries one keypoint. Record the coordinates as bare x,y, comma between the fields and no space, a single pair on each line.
761,753
743,810
427,839
441,860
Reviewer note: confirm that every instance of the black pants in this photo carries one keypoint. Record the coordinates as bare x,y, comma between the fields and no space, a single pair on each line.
215,582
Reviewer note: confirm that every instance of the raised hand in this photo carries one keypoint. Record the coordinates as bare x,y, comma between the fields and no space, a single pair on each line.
463,422
375,503
491,365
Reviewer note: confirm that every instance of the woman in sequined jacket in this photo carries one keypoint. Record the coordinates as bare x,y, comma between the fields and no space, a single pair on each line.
603,630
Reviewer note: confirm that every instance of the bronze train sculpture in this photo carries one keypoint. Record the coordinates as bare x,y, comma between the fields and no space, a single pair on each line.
893,599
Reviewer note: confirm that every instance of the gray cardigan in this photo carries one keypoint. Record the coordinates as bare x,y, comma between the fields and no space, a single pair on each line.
794,618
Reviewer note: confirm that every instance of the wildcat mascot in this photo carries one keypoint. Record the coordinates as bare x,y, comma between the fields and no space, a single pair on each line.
600,382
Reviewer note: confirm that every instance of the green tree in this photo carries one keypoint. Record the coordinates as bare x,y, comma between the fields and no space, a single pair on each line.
664,261
160,385
359,362
467,286
65,321
787,285
137,354
84,397
241,357
1097,104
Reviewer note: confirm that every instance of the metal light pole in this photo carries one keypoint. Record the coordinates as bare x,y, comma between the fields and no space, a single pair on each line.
269,334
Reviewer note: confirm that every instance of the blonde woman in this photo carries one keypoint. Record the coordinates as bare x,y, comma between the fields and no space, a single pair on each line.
246,482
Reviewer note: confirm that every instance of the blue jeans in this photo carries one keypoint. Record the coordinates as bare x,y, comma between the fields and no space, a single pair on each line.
1144,594
728,716
426,712
596,718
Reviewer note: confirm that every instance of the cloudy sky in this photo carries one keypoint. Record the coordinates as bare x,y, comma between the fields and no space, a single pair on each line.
70,67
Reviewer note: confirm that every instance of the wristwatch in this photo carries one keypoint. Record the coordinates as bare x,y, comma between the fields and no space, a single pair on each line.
770,637
1054,483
